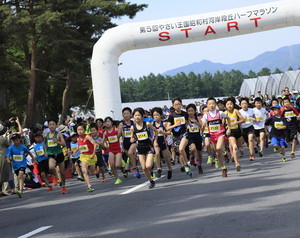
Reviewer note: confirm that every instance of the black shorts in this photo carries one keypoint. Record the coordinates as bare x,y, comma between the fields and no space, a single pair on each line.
126,144
236,133
20,169
59,158
290,135
197,140
75,160
100,160
177,140
258,131
161,143
43,166
247,131
144,149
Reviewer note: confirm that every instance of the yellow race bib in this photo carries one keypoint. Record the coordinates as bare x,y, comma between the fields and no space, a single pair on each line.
51,143
278,124
112,139
248,120
214,128
289,114
142,135
18,158
206,130
83,148
179,119
127,134
40,152
194,129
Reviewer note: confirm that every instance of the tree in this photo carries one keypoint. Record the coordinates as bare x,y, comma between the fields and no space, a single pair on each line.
264,72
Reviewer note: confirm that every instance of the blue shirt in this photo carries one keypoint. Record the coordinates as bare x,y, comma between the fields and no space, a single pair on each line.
74,146
18,156
39,151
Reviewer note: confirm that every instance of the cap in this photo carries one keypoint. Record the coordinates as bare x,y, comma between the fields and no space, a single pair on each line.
62,128
25,130
15,136
3,129
73,134
275,107
295,92
38,133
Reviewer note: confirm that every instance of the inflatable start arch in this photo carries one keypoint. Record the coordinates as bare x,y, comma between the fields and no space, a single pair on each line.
115,41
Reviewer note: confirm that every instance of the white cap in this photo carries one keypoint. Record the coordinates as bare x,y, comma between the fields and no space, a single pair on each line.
25,129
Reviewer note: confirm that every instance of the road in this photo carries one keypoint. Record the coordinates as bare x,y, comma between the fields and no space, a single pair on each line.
263,200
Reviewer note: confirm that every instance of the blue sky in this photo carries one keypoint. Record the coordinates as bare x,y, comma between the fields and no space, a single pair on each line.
239,48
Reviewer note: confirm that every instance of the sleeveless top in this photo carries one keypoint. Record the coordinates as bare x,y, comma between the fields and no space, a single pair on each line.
126,130
113,140
142,135
215,123
85,146
233,118
53,148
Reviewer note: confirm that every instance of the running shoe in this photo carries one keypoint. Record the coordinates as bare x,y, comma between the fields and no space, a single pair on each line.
209,160
251,158
125,174
81,178
118,181
284,159
213,164
192,162
90,189
293,155
152,184
169,174
224,171
276,149
182,169
241,153
226,158
159,172
189,173
59,183
153,176
136,173
96,174
217,163
255,150
63,190
200,170
19,193
173,162
260,153
50,188
103,180
55,181
238,168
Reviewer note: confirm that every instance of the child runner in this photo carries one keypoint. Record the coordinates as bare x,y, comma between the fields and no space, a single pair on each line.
128,147
115,154
278,124
162,148
213,119
194,136
54,141
75,155
235,137
100,165
140,132
247,126
206,136
16,154
43,162
177,123
88,148
260,115
291,115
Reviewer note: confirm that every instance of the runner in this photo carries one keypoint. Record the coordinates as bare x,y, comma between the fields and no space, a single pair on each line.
177,124
291,115
206,136
54,141
247,126
213,119
74,153
140,132
194,137
260,115
42,158
16,154
235,137
115,154
279,125
87,147
128,147
162,148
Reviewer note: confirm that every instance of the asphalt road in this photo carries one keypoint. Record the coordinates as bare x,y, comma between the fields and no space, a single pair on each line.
263,200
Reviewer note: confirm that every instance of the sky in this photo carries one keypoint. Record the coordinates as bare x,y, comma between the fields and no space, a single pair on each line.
157,60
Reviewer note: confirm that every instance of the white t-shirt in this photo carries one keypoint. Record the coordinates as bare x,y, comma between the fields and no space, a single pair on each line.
213,114
260,114
249,117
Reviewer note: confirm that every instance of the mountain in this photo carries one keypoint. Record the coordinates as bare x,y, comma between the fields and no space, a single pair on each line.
283,58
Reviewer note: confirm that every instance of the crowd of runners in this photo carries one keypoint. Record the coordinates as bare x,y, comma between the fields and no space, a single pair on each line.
144,143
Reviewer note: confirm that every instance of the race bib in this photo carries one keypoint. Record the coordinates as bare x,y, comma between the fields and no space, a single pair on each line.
40,152
233,120
179,119
51,143
142,136
278,124
127,134
248,120
74,148
289,114
17,157
194,129
260,118
112,139
83,148
206,130
215,128
160,133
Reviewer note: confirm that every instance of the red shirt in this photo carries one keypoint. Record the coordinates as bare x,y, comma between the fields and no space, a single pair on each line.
85,146
113,140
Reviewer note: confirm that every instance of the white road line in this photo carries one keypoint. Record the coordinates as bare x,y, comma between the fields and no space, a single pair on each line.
140,186
35,231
